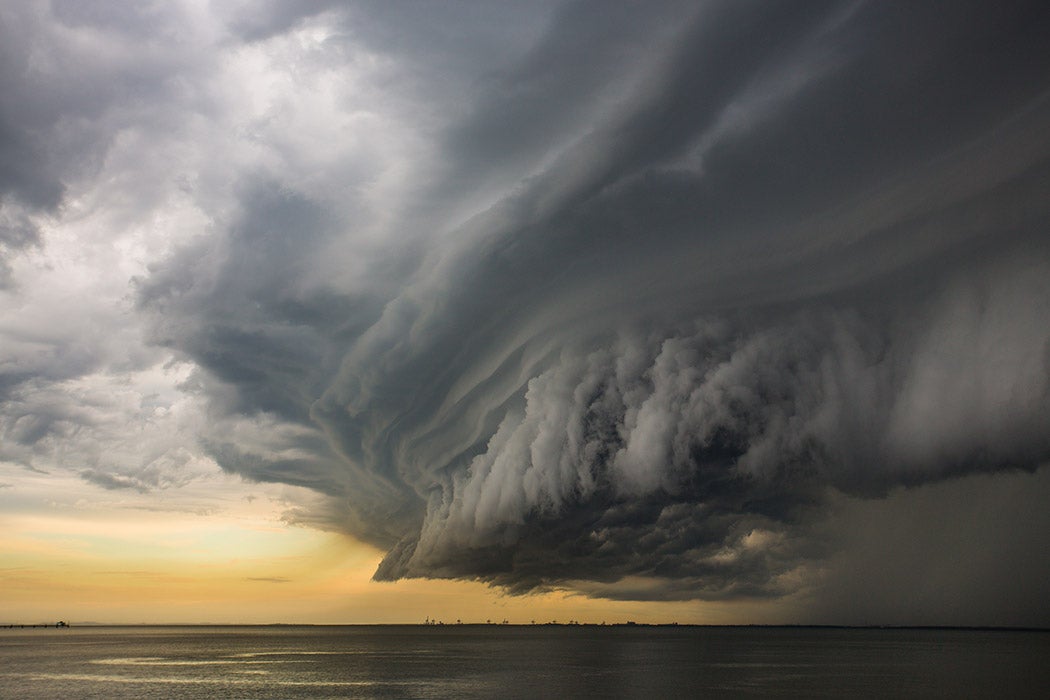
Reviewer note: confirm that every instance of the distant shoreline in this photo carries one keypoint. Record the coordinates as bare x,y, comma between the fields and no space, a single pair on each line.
453,625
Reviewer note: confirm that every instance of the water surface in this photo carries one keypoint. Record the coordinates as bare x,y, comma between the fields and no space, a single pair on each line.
483,661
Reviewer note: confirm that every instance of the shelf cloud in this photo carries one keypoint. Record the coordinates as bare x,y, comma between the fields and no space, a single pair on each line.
624,300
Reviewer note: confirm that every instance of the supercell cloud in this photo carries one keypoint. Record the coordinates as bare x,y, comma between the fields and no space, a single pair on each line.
620,298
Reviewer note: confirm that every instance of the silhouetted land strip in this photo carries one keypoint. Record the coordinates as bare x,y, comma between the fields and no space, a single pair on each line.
617,625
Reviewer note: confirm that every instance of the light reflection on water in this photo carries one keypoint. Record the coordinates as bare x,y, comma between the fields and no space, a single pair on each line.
100,678
507,661
158,661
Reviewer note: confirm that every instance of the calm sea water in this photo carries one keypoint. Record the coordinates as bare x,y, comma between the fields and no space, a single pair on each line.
508,661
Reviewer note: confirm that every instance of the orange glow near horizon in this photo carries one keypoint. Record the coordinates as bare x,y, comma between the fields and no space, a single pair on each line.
173,568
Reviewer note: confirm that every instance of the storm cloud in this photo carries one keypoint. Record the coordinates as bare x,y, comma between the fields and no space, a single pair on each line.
625,300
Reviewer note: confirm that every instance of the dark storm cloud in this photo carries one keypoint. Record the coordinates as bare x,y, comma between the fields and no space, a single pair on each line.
65,97
522,112
26,175
268,343
244,317
801,252
27,172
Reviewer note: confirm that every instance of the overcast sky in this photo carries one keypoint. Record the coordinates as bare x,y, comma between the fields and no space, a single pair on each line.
706,301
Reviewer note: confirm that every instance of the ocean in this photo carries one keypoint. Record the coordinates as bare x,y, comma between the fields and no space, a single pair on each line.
505,661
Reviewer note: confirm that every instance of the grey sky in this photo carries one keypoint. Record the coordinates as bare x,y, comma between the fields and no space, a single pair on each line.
655,301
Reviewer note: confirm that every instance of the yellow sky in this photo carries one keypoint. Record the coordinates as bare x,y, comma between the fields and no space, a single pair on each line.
106,563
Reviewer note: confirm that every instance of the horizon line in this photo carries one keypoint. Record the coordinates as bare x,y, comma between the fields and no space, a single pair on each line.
552,623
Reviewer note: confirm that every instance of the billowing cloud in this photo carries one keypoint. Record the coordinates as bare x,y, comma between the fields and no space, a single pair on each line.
626,300
795,257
